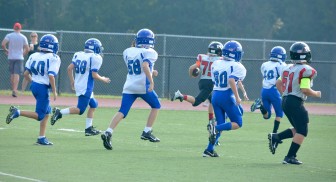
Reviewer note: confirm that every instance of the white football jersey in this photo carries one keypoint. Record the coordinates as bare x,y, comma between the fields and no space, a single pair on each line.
222,70
136,81
41,65
85,63
205,64
291,79
271,71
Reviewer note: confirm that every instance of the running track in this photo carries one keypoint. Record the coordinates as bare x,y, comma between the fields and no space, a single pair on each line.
321,109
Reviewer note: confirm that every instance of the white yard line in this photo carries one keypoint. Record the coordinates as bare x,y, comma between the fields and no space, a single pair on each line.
70,130
20,177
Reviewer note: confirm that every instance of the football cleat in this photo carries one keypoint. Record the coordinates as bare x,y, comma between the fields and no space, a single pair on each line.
149,136
13,113
106,137
177,95
212,131
272,142
256,105
14,94
43,141
208,153
56,115
91,131
291,160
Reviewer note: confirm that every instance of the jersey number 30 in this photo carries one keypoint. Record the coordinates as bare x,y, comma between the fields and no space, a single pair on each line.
220,79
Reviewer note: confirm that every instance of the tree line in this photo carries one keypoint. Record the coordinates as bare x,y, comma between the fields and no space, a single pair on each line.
308,20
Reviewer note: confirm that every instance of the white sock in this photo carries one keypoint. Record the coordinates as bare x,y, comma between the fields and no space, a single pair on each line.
109,130
41,137
147,129
65,111
19,112
88,122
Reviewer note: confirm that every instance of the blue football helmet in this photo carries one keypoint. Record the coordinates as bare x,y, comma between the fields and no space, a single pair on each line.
49,43
145,38
233,50
94,45
278,53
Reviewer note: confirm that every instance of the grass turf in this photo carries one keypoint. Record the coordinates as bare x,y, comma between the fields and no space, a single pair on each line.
244,153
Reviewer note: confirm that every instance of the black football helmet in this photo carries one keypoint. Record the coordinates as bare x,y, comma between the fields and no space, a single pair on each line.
300,53
215,48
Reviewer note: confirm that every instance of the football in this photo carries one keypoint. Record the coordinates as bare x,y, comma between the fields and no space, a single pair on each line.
195,72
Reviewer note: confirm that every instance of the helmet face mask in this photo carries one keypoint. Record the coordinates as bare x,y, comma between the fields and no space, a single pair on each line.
300,53
49,43
94,45
215,48
145,38
278,53
233,50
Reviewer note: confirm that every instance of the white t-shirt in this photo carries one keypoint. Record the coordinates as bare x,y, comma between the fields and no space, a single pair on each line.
16,42
136,81
41,65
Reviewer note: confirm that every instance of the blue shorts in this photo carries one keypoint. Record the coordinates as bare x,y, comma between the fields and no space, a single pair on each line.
127,101
41,94
225,102
84,101
271,97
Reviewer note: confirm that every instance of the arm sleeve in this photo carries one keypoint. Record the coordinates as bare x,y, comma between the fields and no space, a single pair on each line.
150,56
97,61
74,59
212,71
305,83
27,65
238,73
25,40
54,65
309,72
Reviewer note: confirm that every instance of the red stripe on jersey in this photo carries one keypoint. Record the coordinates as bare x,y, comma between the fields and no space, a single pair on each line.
313,73
301,74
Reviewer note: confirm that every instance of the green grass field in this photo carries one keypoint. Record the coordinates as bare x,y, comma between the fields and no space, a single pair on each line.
178,157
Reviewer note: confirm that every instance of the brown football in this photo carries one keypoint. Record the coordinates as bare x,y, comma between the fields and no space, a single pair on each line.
196,72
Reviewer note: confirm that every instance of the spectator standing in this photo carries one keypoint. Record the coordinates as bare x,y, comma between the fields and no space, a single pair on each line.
16,50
